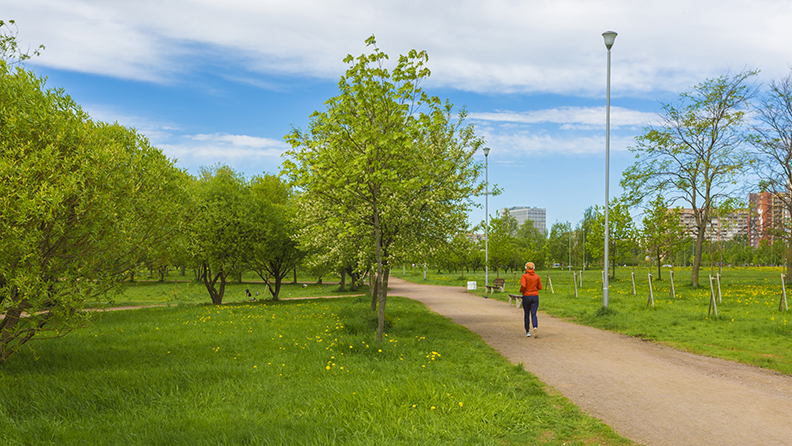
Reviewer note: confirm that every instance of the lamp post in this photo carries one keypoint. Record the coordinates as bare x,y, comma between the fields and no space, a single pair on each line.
486,216
610,37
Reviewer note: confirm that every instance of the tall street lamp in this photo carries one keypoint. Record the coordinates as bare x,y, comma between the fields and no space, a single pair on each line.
486,216
610,37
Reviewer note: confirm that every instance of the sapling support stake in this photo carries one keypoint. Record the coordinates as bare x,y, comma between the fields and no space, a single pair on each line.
673,291
783,299
720,298
713,304
633,282
651,292
580,276
574,277
550,284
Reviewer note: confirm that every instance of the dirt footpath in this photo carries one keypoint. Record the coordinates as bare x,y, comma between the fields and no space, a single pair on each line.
647,392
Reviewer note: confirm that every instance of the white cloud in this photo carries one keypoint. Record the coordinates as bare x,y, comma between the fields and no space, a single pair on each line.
248,154
241,141
570,117
550,46
522,143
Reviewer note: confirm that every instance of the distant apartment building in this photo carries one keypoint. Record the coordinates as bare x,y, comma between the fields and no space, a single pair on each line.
767,215
719,229
521,213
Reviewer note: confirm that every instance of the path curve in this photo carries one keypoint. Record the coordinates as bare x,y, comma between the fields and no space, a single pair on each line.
647,392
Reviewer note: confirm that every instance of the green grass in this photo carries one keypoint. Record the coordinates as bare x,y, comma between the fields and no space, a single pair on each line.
749,328
177,289
291,372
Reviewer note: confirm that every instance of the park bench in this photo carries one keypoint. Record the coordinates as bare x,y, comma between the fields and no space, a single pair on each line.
498,285
516,298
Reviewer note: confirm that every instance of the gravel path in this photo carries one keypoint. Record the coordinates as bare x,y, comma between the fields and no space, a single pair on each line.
647,392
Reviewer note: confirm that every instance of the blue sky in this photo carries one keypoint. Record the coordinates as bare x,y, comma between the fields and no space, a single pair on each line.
222,81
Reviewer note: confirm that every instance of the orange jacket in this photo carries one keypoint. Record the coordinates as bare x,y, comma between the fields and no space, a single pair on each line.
530,284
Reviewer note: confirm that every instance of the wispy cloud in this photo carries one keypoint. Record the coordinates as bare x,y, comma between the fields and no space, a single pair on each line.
546,46
583,117
247,154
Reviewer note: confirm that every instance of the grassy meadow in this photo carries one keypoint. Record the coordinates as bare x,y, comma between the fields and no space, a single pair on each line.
298,372
178,290
749,328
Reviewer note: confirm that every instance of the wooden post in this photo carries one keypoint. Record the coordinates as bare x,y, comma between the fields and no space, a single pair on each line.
633,282
720,298
713,304
783,299
574,276
580,275
550,284
651,292
673,291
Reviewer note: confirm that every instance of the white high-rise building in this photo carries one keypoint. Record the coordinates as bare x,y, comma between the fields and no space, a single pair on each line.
521,213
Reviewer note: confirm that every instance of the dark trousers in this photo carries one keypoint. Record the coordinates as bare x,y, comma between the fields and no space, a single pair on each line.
530,305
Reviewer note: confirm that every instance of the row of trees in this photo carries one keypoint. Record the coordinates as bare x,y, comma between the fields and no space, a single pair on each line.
85,203
704,146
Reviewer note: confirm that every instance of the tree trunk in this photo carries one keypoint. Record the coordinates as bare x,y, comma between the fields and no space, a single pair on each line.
295,275
342,288
659,270
788,279
209,282
373,287
694,275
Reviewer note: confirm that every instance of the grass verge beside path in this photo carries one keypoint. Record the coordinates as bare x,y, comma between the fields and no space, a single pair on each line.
303,372
146,293
749,328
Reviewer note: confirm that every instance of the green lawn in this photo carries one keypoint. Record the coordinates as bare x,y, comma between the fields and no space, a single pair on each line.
301,372
749,328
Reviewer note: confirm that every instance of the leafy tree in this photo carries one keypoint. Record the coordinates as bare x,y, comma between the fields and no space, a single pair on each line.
772,141
621,234
399,177
529,243
273,252
82,201
9,45
589,216
696,154
557,246
662,231
502,248
220,232
462,249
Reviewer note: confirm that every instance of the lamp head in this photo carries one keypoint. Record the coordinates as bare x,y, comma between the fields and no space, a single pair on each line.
610,37
486,151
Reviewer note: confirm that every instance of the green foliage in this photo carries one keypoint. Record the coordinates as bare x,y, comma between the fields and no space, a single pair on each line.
696,154
9,45
557,246
622,234
772,140
220,229
662,232
502,241
273,252
384,169
81,202
290,372
530,243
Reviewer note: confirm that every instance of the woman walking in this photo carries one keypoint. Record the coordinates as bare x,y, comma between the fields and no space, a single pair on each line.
530,284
